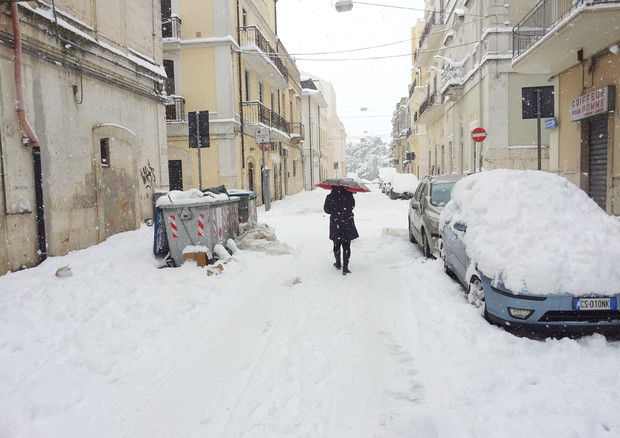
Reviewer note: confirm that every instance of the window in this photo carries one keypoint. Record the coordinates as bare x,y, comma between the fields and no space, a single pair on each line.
244,18
260,92
104,146
247,86
169,68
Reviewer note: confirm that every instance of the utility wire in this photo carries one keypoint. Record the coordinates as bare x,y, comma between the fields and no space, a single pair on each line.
380,45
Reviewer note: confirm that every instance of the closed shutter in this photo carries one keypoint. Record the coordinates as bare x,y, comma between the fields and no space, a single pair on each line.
597,161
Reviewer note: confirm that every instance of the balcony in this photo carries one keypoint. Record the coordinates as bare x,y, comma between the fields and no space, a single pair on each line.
430,39
171,27
257,115
549,36
298,132
259,55
452,83
431,109
175,109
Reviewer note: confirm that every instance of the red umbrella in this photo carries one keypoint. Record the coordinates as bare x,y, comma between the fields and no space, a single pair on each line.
347,183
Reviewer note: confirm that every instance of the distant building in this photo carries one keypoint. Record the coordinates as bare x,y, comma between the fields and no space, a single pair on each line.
463,62
315,145
81,97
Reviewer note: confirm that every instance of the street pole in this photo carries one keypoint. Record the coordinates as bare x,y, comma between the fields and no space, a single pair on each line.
538,133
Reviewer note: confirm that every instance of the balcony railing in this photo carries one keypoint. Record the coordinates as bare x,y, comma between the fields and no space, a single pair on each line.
175,109
255,112
430,100
171,27
251,35
436,18
541,20
451,76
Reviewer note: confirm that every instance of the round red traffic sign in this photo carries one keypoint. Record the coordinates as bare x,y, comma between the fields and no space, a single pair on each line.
478,134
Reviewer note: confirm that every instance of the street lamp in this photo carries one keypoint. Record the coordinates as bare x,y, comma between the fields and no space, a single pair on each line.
347,5
344,5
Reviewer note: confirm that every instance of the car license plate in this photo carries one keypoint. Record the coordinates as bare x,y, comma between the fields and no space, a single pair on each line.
594,303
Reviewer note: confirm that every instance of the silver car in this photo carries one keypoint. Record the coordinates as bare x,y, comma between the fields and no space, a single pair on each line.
432,194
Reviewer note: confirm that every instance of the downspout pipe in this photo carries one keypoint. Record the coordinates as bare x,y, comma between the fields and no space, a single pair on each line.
28,134
19,88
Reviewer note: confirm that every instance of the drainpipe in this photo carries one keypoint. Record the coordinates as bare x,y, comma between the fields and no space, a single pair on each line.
28,135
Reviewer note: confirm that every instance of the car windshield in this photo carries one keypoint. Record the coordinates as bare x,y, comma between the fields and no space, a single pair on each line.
440,193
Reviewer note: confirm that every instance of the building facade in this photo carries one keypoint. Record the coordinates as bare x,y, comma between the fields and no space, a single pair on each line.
314,114
224,57
577,46
81,98
463,62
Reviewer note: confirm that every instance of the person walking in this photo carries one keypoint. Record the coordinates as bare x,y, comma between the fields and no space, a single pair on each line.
339,204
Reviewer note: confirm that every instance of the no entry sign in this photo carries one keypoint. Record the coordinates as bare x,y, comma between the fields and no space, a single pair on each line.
478,134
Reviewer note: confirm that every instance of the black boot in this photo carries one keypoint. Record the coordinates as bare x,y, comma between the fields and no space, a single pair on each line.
345,261
337,255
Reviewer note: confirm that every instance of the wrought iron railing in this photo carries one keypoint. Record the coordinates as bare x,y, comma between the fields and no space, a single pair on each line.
451,76
251,35
255,112
175,109
541,20
430,100
435,18
171,27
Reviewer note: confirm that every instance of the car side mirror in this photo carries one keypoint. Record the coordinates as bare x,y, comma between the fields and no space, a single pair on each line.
415,204
460,226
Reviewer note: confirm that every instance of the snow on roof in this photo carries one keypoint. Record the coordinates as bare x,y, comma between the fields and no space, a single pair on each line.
537,231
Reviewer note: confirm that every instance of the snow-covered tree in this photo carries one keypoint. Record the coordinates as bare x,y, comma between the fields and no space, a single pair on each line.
366,157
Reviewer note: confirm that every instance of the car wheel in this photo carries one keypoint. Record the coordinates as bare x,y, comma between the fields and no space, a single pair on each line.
426,249
475,294
411,237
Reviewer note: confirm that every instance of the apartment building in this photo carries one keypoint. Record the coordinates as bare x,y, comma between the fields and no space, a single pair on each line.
576,45
463,80
335,151
224,57
82,132
315,120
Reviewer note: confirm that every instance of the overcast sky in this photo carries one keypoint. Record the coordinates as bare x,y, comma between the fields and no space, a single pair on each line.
315,27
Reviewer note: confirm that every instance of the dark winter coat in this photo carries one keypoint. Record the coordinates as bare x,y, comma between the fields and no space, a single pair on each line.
339,205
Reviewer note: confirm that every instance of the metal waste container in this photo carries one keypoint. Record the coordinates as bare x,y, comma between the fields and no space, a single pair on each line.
198,222
247,205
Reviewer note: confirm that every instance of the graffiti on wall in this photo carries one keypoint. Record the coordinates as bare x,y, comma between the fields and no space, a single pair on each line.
148,175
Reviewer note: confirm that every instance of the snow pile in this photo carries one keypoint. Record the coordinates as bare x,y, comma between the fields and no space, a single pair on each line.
405,183
386,174
536,231
191,196
261,237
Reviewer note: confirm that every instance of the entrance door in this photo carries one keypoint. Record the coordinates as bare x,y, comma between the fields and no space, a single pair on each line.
597,161
175,170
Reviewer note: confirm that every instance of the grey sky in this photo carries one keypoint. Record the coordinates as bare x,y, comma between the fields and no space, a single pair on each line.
314,26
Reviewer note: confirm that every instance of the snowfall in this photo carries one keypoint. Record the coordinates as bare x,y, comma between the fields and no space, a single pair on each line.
281,344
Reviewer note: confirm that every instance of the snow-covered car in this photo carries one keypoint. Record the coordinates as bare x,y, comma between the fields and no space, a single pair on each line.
534,252
403,186
386,174
432,194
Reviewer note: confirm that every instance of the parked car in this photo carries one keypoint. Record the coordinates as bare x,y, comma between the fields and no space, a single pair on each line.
403,186
534,252
432,194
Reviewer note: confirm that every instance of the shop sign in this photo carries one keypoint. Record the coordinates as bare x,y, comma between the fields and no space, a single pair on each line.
597,102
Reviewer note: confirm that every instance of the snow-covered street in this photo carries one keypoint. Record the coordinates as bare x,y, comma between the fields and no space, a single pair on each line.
284,345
